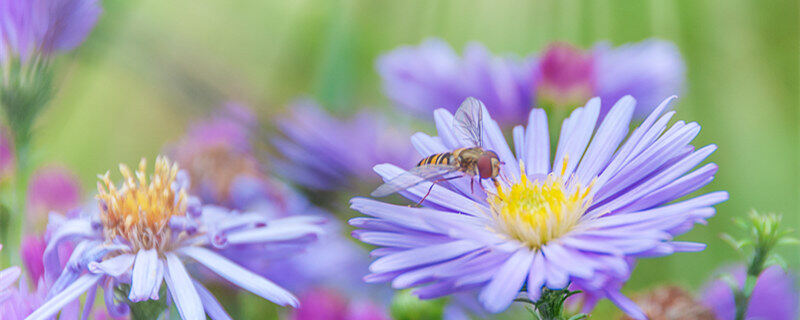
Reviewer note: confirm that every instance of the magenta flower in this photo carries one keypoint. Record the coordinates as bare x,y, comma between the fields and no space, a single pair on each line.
44,27
567,76
142,234
326,304
775,296
325,153
604,200
52,188
431,75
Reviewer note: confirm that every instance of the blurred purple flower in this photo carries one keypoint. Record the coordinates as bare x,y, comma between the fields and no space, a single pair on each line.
325,153
649,71
217,154
577,221
775,296
431,75
325,304
52,188
143,232
29,27
18,303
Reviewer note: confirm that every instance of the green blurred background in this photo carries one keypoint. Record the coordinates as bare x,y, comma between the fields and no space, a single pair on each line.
152,65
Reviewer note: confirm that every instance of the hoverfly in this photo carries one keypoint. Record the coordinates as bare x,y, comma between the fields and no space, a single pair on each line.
469,161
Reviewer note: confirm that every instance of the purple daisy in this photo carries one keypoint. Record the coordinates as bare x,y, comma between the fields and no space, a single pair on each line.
144,233
580,220
31,27
323,152
775,296
432,75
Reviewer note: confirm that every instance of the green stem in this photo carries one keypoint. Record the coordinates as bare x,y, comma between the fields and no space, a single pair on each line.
22,175
742,297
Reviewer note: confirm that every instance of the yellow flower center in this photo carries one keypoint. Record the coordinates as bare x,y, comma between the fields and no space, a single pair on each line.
139,211
535,212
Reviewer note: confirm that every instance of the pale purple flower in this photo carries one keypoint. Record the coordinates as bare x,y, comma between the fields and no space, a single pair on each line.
604,200
144,233
326,153
775,296
322,303
432,75
649,71
30,27
52,188
218,155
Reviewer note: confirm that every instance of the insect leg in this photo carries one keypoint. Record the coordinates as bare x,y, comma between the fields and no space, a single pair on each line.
431,188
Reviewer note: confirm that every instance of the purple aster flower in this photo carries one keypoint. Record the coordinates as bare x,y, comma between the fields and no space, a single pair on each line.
604,200
649,71
44,26
144,233
775,296
325,153
322,303
217,154
432,75
52,188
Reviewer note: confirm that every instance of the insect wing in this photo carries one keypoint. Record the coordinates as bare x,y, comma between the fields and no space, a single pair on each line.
413,177
468,122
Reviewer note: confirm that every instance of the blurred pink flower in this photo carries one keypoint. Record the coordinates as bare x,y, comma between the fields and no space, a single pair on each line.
52,188
326,304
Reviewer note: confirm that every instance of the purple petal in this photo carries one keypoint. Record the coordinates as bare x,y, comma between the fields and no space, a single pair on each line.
114,267
506,282
241,277
537,143
143,277
182,290
210,304
66,296
424,255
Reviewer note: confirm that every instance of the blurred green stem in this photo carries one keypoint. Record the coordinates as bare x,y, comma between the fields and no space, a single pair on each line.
17,218
550,305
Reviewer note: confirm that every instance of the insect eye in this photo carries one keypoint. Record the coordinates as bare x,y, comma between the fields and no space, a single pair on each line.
485,167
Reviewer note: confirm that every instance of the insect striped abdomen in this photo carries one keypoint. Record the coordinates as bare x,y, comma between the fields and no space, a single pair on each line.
439,158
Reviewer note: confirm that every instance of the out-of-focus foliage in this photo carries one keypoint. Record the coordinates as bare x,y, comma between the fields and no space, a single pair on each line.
150,66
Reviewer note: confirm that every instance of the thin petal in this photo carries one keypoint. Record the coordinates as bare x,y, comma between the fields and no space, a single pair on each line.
143,277
240,276
182,290
114,267
210,304
66,296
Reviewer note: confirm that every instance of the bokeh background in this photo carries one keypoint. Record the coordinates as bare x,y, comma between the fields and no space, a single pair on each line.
151,66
